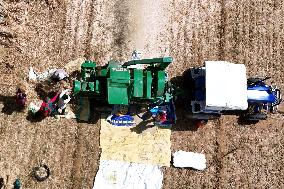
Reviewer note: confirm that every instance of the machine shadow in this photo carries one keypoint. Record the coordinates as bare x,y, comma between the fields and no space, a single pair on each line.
182,91
142,126
244,122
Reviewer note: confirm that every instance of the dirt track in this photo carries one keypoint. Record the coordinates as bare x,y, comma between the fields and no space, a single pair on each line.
51,33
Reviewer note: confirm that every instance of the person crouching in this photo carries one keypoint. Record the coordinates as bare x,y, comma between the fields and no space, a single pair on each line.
48,106
21,97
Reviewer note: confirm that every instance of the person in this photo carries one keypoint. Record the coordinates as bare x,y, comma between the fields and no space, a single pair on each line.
21,97
64,98
136,55
1,183
48,106
17,184
162,116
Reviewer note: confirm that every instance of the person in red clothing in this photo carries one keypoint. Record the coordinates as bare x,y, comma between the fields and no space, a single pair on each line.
162,116
48,106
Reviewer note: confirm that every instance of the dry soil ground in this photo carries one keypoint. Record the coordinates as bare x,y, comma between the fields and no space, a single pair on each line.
50,33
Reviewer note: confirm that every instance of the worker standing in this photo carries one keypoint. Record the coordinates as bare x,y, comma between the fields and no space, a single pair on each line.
17,184
1,183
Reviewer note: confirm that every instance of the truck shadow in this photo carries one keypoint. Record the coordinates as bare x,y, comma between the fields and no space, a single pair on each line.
183,123
244,122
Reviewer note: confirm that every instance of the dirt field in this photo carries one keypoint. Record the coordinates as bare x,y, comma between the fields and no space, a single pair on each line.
50,33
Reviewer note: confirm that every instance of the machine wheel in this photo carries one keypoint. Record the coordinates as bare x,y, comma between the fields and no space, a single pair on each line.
256,117
252,80
41,173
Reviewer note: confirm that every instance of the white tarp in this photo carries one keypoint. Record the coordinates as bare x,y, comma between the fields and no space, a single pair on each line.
59,74
226,86
189,159
33,76
122,175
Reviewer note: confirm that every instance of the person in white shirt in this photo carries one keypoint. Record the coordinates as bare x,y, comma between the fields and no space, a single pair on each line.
64,99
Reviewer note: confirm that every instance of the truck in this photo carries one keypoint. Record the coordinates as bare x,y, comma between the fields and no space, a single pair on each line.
221,87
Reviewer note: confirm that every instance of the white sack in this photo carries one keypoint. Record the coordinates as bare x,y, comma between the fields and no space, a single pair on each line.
122,175
189,159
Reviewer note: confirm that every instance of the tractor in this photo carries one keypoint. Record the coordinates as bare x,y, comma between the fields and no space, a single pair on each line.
221,87
127,88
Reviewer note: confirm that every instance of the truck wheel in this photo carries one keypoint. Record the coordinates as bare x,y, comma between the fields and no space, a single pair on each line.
253,80
256,117
41,173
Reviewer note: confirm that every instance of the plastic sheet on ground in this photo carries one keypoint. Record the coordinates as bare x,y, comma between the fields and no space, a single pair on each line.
33,76
59,74
189,159
122,175
141,144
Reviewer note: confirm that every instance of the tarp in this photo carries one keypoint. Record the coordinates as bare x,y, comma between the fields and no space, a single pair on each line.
59,74
123,175
189,159
33,76
141,144
226,86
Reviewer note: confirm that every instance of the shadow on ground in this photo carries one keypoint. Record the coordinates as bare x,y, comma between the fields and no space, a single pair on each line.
10,105
142,126
37,117
244,122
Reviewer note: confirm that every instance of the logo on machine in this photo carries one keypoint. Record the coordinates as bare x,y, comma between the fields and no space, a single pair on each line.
119,69
121,120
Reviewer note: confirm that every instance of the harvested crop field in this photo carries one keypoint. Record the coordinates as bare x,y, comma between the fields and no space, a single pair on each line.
51,33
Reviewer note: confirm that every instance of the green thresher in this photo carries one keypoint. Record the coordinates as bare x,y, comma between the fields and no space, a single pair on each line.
121,84
133,82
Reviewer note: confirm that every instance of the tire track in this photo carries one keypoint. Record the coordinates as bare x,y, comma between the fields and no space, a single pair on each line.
121,28
219,133
91,19
77,163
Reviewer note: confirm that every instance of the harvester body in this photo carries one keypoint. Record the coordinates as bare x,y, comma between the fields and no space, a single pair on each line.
134,82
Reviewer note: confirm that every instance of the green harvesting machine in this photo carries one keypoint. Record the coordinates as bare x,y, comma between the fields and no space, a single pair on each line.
134,82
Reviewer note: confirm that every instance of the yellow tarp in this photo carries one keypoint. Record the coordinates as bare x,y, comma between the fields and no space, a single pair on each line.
141,144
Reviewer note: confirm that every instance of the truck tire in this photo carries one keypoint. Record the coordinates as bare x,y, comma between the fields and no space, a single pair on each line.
256,117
